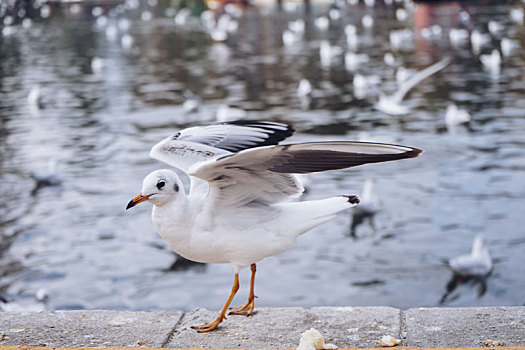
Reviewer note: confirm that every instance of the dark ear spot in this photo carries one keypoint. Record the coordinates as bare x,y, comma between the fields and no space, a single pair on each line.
176,188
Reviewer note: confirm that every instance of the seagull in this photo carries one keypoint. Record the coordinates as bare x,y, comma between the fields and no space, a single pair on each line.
474,267
366,210
367,21
516,15
47,178
478,263
455,116
226,113
353,60
34,98
492,62
351,37
478,40
97,65
304,93
508,46
457,36
191,102
239,209
391,104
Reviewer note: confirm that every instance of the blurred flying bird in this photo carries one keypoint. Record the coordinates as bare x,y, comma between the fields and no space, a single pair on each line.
391,104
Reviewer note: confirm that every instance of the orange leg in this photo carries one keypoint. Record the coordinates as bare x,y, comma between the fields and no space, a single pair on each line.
222,315
247,308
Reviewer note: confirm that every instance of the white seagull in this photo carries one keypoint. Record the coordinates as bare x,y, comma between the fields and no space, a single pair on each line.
238,209
475,268
478,263
455,116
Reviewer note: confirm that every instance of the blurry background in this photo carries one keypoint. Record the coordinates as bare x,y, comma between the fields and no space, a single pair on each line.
86,88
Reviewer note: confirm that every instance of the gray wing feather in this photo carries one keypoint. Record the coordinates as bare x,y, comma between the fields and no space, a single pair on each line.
265,173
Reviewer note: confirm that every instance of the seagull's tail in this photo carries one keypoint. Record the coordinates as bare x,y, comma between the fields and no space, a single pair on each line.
309,214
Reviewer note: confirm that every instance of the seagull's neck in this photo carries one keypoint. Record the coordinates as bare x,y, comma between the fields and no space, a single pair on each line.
172,219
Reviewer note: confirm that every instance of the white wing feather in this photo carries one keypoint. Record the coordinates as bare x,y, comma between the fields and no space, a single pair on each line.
203,143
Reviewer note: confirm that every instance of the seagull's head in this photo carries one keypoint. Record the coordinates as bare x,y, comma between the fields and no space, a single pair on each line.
159,187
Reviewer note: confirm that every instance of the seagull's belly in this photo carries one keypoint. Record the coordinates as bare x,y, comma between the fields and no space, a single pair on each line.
235,247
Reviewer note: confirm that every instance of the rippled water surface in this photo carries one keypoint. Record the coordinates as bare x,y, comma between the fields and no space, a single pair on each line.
111,82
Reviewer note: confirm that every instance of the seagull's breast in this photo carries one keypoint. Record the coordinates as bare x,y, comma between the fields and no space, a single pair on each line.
240,236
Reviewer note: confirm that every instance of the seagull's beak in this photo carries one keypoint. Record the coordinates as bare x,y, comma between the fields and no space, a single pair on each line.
136,200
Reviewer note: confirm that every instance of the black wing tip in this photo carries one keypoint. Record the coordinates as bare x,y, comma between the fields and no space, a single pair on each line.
413,153
276,132
352,199
261,124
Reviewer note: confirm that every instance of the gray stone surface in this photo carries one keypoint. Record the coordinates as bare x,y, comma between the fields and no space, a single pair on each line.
465,327
88,328
281,328
269,328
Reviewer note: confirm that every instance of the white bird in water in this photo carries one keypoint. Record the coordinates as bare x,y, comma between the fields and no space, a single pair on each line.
238,209
455,116
191,102
351,36
478,40
508,46
458,36
492,62
366,210
304,88
477,263
304,93
475,267
327,52
364,84
354,60
47,178
495,28
391,104
516,15
226,113
34,99
322,23
390,60
367,21
97,65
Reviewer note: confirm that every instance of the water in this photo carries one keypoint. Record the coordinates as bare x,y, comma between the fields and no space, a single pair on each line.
75,242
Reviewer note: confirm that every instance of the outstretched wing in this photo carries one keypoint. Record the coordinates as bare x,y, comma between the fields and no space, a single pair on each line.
406,86
201,143
264,174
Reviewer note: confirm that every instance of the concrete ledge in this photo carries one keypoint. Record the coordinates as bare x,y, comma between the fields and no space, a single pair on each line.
270,328
461,327
100,329
281,328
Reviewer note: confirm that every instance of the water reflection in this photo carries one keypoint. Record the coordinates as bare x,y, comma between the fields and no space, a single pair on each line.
94,86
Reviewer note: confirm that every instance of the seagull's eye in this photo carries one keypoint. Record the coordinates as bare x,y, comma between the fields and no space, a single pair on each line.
161,184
